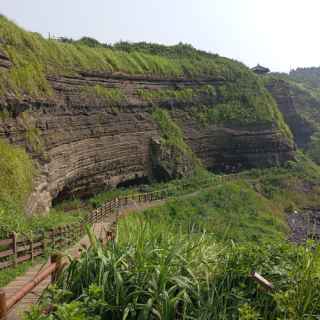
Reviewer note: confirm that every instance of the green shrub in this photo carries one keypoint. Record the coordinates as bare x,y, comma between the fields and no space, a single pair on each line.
164,274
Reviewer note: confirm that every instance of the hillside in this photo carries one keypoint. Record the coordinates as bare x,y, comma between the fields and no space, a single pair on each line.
82,122
309,77
95,117
298,98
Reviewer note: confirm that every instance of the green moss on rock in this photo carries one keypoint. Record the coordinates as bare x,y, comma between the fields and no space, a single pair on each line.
185,95
172,156
110,97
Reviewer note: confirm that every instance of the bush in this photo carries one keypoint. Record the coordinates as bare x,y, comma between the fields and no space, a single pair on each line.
170,275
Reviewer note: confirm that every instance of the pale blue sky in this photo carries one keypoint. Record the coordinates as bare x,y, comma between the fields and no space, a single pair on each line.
280,34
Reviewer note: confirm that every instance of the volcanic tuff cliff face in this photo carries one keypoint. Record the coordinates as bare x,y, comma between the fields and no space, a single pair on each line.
291,102
99,129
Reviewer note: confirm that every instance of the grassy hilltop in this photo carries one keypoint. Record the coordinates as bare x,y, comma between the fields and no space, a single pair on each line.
241,98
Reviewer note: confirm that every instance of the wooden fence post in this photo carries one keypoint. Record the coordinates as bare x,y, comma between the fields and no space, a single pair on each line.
14,249
31,249
3,305
56,258
44,242
52,239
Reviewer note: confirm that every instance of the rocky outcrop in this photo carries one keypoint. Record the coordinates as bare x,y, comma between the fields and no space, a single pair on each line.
169,161
231,149
304,225
4,60
83,144
291,103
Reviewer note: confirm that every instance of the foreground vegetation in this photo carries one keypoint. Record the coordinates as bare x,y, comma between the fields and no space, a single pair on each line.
160,273
191,258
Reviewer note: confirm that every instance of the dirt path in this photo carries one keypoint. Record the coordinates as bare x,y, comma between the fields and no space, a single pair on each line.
100,231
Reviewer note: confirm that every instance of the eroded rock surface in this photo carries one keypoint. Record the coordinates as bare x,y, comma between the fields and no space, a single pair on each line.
304,225
82,145
291,103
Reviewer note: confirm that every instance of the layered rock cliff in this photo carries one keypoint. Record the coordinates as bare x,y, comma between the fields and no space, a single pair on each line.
300,104
88,129
291,102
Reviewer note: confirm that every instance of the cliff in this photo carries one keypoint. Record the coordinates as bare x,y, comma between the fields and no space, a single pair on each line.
92,118
299,103
291,101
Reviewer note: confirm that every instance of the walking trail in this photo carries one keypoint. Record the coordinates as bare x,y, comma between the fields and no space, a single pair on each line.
100,231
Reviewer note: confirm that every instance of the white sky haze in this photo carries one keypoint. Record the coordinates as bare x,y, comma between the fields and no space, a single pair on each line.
280,34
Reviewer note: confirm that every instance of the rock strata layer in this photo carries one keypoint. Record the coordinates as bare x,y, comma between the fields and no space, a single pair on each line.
82,144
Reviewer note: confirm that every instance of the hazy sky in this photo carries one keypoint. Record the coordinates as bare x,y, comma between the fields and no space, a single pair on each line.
280,34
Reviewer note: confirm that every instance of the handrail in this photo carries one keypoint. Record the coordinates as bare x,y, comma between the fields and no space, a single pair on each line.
31,285
56,262
52,269
69,233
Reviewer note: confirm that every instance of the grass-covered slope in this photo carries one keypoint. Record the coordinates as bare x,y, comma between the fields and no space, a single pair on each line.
192,258
227,211
17,172
251,207
34,57
309,77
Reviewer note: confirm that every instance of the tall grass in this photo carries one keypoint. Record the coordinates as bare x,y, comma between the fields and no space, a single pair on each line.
165,274
226,212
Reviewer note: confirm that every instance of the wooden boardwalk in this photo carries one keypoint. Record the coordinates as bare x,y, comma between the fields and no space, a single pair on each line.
99,229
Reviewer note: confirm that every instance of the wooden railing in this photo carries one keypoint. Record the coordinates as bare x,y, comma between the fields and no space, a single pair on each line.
19,248
52,269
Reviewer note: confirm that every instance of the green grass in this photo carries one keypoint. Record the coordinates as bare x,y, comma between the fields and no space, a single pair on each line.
16,175
24,224
161,273
228,211
8,275
16,181
110,97
172,136
243,103
191,258
249,208
240,97
189,96
176,187
34,57
294,186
